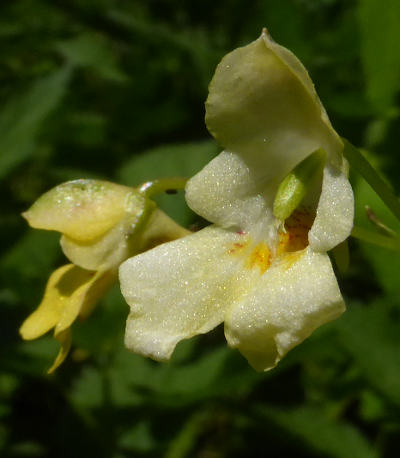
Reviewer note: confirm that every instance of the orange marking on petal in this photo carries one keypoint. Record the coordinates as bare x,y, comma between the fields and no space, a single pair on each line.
290,258
238,247
260,257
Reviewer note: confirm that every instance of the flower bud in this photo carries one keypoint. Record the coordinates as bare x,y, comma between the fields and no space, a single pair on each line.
295,185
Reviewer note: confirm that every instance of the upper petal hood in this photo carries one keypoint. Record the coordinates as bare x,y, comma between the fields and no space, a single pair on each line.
263,109
262,101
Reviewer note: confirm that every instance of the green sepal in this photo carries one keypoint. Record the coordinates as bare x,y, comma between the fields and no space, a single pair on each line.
341,256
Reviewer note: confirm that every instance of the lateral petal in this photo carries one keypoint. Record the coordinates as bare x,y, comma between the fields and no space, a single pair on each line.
103,253
47,315
335,211
64,339
291,300
178,289
70,291
226,192
110,250
79,290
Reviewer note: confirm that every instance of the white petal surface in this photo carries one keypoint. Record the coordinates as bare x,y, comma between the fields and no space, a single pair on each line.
226,193
177,290
107,252
335,212
103,253
289,302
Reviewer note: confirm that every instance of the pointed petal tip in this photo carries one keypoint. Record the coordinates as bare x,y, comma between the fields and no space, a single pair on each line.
64,338
266,36
25,215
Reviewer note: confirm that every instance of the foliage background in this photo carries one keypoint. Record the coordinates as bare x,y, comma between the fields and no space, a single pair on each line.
115,89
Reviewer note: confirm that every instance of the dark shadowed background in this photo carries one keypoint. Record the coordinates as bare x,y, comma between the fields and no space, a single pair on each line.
115,90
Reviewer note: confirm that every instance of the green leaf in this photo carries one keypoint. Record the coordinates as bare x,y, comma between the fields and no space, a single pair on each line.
183,443
22,117
94,51
360,164
385,263
371,336
87,390
320,433
173,384
139,437
33,255
372,406
379,29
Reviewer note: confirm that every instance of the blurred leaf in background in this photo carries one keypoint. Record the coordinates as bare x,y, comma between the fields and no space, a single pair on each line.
115,90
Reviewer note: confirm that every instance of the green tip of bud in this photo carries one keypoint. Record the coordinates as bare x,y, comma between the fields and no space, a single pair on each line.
295,185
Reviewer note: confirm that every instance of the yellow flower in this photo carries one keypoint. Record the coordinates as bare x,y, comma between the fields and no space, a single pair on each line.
102,224
269,280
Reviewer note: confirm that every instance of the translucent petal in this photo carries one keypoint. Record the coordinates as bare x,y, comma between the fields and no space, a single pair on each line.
178,290
291,300
159,229
335,211
78,290
105,252
110,250
83,209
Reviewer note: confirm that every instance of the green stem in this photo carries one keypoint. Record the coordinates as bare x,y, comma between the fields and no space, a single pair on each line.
150,188
378,223
391,243
143,218
359,163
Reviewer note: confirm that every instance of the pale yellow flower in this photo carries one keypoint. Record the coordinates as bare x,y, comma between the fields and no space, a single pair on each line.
102,224
270,281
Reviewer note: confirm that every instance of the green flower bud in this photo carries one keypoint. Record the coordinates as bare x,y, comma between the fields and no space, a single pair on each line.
295,185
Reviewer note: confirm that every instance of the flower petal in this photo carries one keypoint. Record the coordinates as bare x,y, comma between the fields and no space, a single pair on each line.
292,299
335,212
80,290
64,338
159,229
47,315
177,290
226,193
121,242
263,108
105,252
83,209
69,291
263,101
